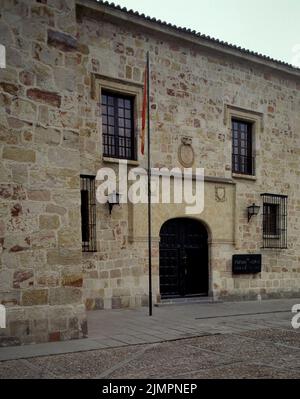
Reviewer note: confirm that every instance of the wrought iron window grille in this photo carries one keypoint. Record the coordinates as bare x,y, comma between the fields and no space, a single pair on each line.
274,221
88,213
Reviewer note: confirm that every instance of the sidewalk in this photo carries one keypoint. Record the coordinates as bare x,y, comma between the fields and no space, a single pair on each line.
116,328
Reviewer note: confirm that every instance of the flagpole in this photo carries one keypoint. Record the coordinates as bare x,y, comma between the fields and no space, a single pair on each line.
149,186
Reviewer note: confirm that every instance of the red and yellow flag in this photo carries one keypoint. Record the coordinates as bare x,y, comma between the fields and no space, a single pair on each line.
144,113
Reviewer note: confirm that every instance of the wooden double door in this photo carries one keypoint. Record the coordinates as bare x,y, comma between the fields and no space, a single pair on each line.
183,258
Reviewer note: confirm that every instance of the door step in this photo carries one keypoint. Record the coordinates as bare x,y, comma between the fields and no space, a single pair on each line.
186,301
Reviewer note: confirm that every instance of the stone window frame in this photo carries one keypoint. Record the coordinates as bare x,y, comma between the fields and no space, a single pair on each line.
123,87
232,112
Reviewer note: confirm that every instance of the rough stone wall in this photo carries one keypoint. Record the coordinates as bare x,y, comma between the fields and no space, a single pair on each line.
40,270
190,88
116,275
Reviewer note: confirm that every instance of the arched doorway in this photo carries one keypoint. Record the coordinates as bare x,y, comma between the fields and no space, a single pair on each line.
183,256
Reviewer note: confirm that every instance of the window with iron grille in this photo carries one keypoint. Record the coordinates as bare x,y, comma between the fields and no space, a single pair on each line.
242,159
118,125
88,213
274,221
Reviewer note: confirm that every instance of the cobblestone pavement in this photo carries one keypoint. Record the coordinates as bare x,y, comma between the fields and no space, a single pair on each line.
264,353
224,341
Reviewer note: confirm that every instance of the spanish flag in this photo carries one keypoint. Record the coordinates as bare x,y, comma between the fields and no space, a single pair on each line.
144,111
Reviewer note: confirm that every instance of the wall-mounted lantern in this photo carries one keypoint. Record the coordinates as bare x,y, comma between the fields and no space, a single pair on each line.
113,199
253,210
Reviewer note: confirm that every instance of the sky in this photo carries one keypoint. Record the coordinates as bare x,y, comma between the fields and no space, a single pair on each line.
270,27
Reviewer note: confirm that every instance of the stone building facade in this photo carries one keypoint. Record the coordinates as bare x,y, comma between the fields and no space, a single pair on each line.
61,58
